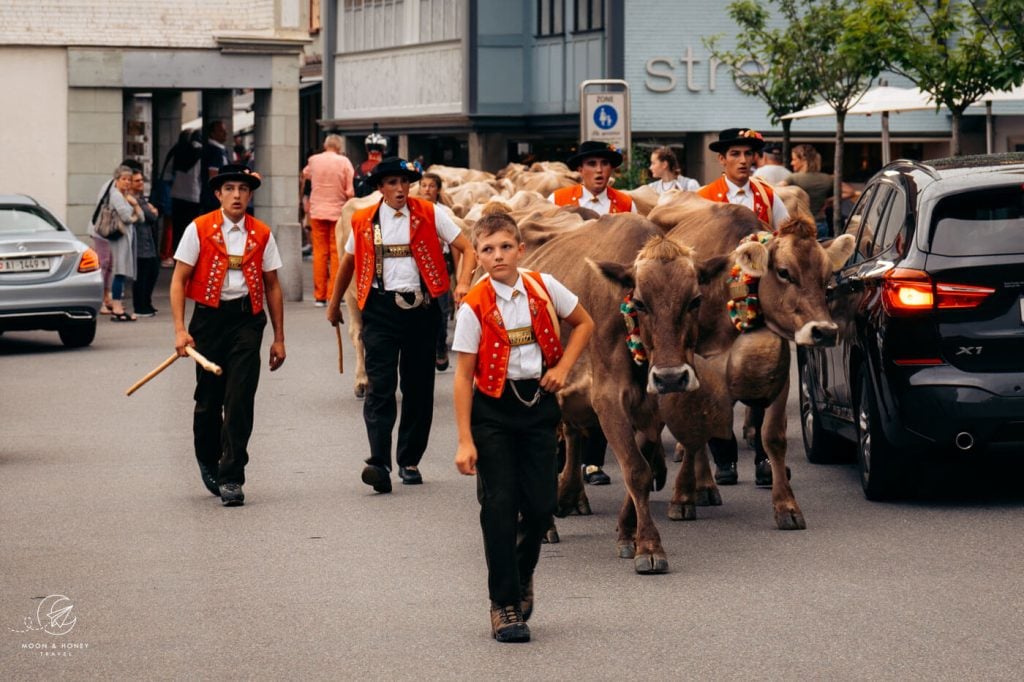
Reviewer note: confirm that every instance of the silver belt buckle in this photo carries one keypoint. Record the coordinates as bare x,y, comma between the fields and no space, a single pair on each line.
417,300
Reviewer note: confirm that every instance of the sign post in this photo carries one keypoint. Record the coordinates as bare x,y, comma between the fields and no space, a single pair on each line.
604,113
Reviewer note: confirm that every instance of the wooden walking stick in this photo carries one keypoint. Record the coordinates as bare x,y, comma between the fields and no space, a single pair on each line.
159,368
196,355
341,353
203,362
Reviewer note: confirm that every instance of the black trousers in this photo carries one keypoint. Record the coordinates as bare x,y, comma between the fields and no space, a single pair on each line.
147,271
516,483
399,347
222,422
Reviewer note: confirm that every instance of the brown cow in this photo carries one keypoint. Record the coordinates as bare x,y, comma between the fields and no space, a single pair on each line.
793,269
607,387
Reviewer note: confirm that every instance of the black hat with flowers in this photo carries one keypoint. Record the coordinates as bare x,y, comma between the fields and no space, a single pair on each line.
601,150
234,172
393,166
737,137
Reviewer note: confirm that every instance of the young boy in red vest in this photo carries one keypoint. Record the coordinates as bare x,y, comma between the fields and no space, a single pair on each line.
736,148
227,262
394,256
595,162
511,363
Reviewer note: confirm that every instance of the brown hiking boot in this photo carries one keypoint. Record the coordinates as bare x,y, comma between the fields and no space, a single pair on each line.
526,599
507,624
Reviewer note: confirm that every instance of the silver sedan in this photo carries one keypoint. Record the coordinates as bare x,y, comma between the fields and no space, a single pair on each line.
49,279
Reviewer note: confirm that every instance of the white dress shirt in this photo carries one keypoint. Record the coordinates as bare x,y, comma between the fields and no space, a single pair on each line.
402,274
744,196
234,242
598,203
681,182
524,362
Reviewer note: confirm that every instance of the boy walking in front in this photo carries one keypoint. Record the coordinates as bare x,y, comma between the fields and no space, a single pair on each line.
511,363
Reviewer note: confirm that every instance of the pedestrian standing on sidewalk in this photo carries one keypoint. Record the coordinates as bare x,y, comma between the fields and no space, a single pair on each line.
330,174
510,365
394,253
227,263
147,257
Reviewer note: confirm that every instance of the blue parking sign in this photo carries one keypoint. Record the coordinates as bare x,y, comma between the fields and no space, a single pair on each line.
605,117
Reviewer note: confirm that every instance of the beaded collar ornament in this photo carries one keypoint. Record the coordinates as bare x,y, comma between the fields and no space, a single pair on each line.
633,341
744,304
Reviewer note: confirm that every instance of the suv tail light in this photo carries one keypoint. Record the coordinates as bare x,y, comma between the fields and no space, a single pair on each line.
908,292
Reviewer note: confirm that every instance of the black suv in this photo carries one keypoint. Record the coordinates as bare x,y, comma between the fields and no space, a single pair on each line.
930,309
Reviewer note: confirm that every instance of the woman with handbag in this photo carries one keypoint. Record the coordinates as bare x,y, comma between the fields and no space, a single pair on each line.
120,213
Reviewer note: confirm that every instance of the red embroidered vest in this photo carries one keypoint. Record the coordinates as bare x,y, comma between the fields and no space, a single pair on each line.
211,268
495,347
423,241
719,191
570,196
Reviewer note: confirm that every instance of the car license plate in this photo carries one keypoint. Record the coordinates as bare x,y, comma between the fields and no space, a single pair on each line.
24,264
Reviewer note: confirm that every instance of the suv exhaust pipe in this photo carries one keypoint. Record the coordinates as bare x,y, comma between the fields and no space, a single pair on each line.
964,441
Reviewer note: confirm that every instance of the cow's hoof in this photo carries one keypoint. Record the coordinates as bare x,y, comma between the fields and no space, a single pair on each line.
709,497
677,455
647,564
789,519
583,507
561,510
359,390
627,550
551,537
682,512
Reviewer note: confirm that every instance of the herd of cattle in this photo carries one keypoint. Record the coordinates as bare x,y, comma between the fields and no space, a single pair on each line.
674,259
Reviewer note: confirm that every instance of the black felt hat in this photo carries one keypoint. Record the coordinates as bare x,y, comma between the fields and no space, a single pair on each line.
393,166
234,172
736,137
590,148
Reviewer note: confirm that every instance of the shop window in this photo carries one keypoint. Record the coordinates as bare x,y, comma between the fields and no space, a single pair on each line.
550,17
589,15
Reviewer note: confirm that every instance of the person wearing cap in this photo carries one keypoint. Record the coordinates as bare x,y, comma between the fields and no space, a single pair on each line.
736,148
394,253
227,263
769,165
595,162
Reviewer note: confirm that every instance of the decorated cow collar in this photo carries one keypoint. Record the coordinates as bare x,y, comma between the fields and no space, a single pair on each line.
633,340
744,304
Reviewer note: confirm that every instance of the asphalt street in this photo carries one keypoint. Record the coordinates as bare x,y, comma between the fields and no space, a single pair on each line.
102,514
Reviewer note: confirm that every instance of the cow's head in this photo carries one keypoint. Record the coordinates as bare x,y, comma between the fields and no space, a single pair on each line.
793,270
664,283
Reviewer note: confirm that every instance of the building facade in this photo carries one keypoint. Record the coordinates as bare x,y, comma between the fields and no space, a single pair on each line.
89,83
485,82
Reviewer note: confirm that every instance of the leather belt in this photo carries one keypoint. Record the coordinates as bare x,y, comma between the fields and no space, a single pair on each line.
396,250
521,336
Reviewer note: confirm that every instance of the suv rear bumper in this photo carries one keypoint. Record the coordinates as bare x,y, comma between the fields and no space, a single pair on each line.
936,413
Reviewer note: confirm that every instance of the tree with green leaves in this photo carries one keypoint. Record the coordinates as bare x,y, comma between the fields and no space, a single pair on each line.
783,81
842,64
956,50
